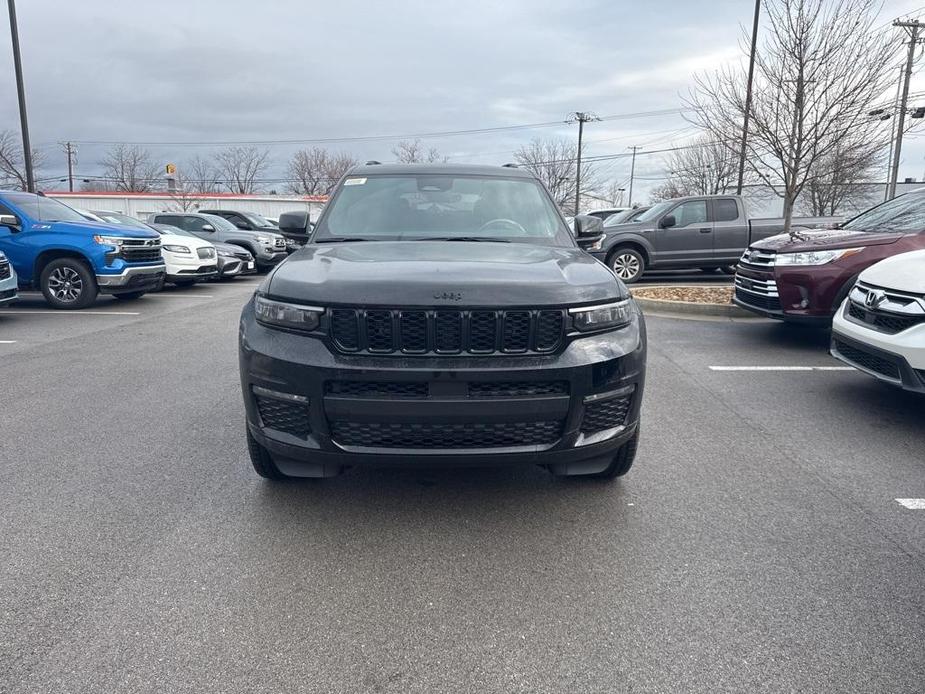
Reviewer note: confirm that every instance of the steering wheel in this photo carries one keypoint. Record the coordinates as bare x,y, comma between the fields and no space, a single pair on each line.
500,221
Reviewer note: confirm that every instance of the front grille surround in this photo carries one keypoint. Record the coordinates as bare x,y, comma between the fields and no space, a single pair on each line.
205,253
447,331
767,303
5,270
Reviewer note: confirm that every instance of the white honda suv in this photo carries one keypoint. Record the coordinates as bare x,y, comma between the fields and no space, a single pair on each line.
880,327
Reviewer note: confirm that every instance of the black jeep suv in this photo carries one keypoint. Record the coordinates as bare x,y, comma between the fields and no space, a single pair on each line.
442,315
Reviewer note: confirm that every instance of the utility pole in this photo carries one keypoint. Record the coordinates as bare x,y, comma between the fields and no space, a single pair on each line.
911,27
889,159
748,98
581,117
71,151
21,93
632,173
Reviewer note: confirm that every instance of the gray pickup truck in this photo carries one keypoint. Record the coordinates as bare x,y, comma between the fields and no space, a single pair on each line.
709,232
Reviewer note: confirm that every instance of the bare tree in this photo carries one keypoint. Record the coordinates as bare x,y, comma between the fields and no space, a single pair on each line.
840,176
200,175
408,152
316,171
187,193
705,167
554,162
12,166
130,169
613,194
818,71
241,167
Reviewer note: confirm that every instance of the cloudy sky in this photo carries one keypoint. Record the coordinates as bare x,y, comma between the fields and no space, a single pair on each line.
203,71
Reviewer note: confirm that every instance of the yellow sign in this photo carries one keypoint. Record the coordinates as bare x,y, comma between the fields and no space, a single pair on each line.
171,169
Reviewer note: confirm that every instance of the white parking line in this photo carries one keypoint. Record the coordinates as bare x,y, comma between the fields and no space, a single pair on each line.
915,504
7,342
782,368
74,313
185,296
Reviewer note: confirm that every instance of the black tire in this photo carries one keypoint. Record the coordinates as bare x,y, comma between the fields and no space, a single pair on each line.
68,284
262,460
160,285
129,296
627,263
184,283
711,270
728,269
622,460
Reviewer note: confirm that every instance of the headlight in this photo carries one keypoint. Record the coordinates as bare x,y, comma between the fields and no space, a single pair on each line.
2,255
814,257
108,241
283,315
597,245
600,317
265,239
176,249
226,254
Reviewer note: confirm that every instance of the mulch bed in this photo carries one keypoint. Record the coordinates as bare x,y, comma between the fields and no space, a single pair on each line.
696,295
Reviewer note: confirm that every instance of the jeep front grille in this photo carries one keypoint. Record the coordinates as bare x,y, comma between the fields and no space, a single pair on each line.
447,331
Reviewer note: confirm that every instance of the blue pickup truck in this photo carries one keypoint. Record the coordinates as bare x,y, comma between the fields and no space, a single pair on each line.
54,249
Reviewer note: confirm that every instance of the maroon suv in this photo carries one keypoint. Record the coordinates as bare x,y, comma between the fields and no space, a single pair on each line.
804,276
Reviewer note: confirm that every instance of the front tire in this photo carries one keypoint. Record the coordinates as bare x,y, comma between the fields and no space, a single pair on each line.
262,460
622,460
68,284
627,263
184,283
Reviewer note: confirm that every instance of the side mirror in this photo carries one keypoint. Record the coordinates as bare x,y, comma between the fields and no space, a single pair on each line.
207,227
243,226
588,230
9,220
295,222
667,221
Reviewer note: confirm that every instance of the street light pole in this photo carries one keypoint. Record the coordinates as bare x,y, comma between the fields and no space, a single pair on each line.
748,98
21,93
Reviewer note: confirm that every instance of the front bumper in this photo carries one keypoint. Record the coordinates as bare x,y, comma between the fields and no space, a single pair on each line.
897,359
136,278
426,404
232,266
266,257
8,287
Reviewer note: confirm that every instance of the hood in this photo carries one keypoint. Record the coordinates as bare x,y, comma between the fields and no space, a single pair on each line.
904,273
443,273
98,228
182,240
628,227
823,239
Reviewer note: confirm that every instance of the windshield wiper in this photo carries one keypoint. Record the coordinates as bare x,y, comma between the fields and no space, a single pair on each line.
462,238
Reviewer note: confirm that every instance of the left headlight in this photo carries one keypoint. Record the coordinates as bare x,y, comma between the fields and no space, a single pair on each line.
265,239
176,249
284,315
109,241
814,257
615,315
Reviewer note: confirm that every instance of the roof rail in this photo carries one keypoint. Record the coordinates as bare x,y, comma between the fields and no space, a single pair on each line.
373,162
510,165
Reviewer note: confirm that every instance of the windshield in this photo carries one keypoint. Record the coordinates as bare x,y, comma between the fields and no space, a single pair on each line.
903,214
258,221
220,222
42,209
655,211
443,207
175,231
123,219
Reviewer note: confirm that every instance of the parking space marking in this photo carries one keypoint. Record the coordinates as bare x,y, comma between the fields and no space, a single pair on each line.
782,368
7,342
52,312
186,296
914,504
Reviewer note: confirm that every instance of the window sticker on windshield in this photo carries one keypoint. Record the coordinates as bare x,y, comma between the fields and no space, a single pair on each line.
354,181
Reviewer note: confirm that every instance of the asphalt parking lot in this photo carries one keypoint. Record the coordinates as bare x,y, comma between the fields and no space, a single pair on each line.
757,544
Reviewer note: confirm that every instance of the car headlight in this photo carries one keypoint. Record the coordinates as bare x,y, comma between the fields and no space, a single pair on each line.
814,257
588,319
176,249
2,255
226,254
109,241
284,315
596,246
265,239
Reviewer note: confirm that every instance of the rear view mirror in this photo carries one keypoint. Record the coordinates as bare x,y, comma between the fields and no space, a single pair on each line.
667,221
9,220
295,222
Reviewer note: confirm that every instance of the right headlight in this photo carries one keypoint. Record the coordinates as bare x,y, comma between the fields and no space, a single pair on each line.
176,249
603,316
280,314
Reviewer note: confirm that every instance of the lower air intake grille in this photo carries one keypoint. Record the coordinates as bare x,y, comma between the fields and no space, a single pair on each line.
605,414
445,436
5,272
377,389
871,362
288,417
514,389
767,303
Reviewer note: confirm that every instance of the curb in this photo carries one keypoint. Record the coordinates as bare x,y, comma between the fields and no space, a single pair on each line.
689,308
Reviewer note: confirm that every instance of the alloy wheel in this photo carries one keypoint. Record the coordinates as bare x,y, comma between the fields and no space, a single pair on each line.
65,284
626,265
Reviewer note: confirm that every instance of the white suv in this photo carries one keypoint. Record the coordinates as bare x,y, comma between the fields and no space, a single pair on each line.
880,328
